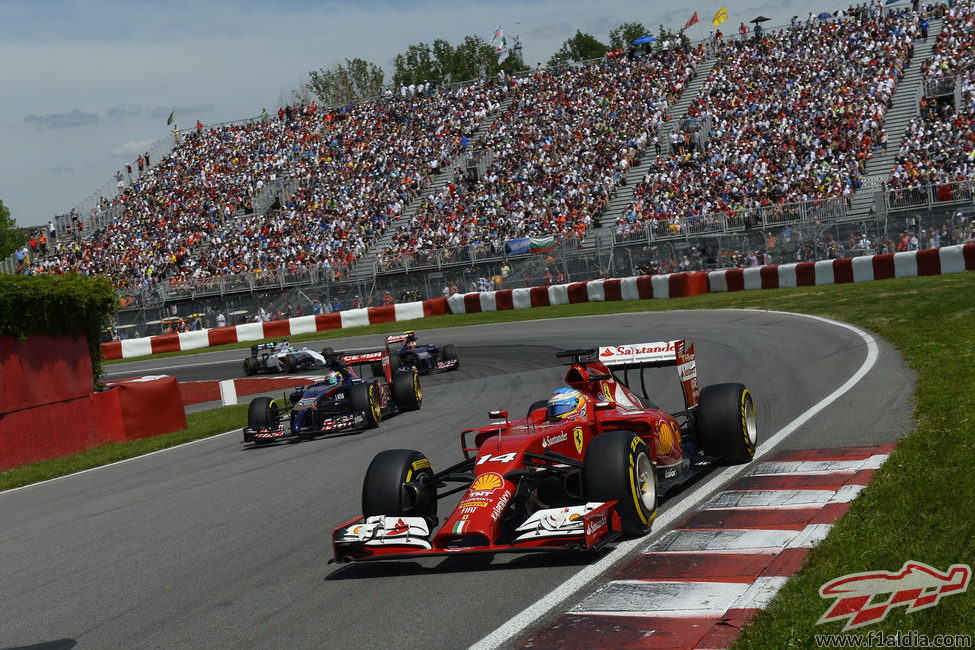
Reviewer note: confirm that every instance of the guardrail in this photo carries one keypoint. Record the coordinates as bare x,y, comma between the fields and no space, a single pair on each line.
926,197
820,211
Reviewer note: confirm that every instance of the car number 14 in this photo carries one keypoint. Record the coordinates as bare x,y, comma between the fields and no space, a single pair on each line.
502,458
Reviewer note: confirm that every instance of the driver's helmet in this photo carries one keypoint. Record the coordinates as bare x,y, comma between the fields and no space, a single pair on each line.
332,377
410,340
565,403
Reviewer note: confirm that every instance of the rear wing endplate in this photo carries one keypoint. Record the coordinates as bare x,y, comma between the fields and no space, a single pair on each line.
639,356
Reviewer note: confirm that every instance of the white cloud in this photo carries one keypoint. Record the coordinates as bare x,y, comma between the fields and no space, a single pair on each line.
68,120
132,148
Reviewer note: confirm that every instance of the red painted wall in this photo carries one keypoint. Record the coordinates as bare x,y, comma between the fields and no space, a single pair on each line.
41,370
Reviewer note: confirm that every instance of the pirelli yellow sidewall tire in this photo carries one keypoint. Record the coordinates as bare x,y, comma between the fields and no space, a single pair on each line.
727,425
385,490
407,391
364,399
617,467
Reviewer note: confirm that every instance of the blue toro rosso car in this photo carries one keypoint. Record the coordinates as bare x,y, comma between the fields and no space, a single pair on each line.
406,353
345,399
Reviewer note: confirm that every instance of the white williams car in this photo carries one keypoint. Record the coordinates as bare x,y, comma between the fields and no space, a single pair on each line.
283,357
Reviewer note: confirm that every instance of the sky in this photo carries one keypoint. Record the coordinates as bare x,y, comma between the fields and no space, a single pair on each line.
86,86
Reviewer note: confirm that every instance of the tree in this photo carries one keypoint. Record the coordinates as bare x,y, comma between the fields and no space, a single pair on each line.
11,237
347,82
623,36
473,58
580,47
676,39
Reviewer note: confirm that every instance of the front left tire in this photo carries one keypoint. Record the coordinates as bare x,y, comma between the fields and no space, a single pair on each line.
617,467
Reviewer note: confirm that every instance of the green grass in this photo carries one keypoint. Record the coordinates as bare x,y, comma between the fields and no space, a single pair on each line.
919,507
198,425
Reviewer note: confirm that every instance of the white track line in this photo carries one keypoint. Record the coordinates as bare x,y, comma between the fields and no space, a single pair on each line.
531,614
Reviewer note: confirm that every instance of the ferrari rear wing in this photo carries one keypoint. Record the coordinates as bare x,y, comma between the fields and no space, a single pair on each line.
639,356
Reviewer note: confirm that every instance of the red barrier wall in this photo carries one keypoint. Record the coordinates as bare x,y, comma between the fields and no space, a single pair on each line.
42,369
49,431
150,407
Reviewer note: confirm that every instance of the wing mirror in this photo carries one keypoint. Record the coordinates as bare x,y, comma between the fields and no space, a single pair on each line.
497,415
603,406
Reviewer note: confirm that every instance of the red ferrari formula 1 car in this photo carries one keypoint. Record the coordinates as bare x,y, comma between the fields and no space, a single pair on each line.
583,468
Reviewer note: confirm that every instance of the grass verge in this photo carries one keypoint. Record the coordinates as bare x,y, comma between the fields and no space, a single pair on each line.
917,508
198,425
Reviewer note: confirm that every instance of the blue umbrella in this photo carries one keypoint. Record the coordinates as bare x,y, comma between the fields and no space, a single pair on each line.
643,40
825,15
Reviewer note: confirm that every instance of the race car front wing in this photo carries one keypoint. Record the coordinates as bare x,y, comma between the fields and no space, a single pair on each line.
574,528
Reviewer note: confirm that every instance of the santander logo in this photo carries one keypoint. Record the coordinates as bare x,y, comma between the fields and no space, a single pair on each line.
639,348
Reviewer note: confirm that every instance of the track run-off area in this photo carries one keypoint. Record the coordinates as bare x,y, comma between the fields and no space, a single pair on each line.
214,544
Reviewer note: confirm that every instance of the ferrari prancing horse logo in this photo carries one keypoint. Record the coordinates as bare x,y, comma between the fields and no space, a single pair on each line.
577,436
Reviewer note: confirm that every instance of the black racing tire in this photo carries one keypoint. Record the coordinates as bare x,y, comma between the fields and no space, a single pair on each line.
727,426
407,392
394,362
383,491
250,366
290,363
617,467
449,353
364,399
263,412
327,352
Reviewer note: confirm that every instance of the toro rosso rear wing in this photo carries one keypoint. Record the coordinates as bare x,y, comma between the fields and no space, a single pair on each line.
395,338
639,356
367,359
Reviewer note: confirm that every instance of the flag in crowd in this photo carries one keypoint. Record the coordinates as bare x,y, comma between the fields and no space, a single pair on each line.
170,119
692,20
503,50
498,33
542,244
720,17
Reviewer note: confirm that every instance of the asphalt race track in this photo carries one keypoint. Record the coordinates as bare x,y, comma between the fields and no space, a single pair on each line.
213,544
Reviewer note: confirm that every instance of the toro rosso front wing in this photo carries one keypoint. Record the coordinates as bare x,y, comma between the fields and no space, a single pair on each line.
329,425
574,528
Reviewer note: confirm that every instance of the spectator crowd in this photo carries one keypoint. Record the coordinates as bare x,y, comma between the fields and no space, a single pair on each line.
784,117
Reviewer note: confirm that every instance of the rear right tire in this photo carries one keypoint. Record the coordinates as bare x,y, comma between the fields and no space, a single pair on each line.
727,426
364,399
250,366
406,390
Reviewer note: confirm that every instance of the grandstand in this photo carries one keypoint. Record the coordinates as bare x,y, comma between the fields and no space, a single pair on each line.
783,135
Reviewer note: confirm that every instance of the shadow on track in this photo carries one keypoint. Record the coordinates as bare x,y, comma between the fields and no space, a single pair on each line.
464,563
